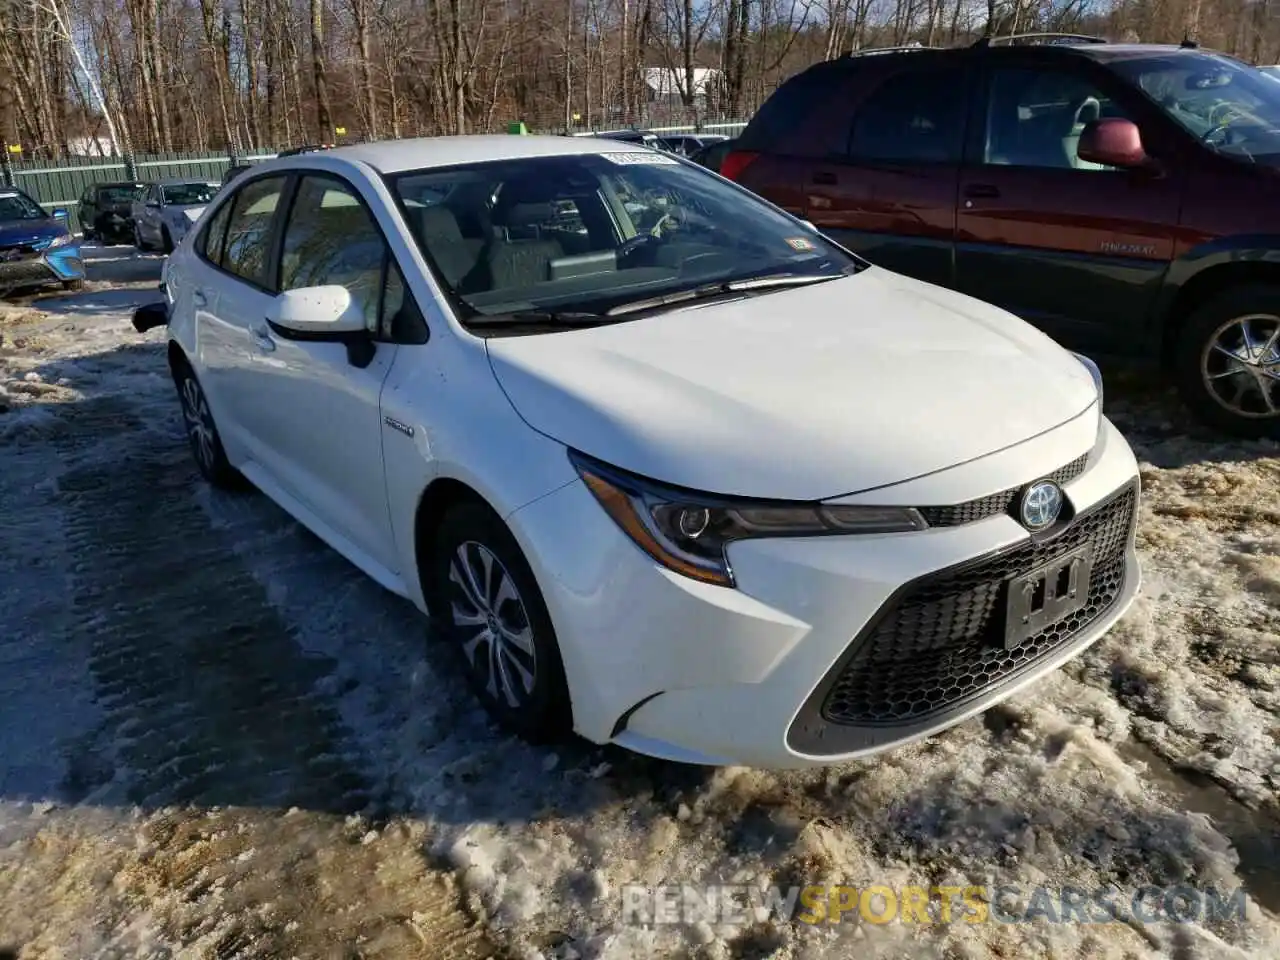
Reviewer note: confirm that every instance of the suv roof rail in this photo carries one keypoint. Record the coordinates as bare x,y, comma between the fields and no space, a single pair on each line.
899,49
1070,37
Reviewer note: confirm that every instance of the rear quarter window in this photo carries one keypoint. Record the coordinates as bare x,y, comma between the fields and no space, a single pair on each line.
774,127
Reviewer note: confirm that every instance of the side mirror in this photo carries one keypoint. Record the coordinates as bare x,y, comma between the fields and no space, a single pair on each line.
323,314
317,313
1113,142
60,213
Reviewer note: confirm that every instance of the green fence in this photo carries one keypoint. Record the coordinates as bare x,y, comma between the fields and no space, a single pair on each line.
59,184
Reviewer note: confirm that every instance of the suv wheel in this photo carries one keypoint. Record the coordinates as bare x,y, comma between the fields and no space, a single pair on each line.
1227,361
202,432
493,613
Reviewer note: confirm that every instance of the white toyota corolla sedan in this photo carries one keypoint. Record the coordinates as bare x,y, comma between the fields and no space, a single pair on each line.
665,466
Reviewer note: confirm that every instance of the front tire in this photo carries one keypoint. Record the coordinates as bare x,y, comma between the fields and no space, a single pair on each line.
75,286
202,432
485,595
1227,361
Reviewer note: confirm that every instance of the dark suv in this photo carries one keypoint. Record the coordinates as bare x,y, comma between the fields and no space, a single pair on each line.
1123,198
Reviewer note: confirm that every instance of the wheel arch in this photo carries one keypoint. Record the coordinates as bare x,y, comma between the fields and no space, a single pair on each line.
1205,272
439,496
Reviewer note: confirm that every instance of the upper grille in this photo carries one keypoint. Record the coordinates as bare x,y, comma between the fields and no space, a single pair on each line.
973,510
940,642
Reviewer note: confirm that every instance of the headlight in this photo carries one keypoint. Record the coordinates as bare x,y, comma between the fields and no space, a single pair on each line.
689,532
61,241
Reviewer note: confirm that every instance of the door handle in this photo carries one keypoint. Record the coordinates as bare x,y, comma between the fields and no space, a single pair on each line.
981,191
199,299
826,178
262,336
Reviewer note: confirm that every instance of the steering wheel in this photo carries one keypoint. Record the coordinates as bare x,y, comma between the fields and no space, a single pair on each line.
1224,128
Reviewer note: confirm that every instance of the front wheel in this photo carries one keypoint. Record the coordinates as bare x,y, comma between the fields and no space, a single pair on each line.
74,286
493,614
202,432
1227,361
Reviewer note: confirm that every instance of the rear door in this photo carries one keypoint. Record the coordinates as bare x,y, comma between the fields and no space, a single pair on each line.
890,195
232,293
1077,249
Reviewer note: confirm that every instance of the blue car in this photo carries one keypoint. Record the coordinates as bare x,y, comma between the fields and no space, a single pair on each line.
36,249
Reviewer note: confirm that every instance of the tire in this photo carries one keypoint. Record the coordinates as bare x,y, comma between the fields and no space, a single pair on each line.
202,432
88,235
73,285
520,678
166,241
1203,365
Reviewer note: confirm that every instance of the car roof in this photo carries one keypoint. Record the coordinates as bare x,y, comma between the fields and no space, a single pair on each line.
396,156
182,181
107,184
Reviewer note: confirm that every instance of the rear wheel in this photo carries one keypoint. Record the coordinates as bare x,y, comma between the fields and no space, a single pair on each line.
202,432
493,614
1227,361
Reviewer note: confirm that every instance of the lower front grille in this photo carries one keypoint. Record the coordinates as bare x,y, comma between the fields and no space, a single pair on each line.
940,641
25,273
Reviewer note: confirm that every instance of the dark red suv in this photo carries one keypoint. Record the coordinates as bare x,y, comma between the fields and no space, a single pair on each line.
1123,198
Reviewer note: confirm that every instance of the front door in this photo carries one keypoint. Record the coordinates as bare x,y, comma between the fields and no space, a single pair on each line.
1078,249
318,409
892,196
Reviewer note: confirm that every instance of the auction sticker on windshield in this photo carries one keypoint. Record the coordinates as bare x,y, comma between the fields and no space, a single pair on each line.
626,159
800,243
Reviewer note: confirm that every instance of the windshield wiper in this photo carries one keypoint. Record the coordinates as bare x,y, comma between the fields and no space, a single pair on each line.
545,318
707,291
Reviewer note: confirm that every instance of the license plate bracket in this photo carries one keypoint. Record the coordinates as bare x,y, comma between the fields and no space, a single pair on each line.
1048,594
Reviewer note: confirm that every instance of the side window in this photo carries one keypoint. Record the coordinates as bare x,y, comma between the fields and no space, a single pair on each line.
248,241
914,117
210,244
1035,118
330,238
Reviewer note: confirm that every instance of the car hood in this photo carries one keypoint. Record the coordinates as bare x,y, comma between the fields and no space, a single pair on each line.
21,232
801,394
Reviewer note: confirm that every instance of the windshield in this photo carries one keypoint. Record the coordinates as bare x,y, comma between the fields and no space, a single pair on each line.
1231,107
121,193
590,232
18,206
182,194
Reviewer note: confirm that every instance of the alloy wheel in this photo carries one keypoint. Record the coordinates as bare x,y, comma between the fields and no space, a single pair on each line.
493,624
199,422
1240,366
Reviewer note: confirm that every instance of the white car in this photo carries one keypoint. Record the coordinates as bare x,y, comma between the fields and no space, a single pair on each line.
693,480
167,211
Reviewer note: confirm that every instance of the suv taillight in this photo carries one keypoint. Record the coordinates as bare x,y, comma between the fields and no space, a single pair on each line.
735,162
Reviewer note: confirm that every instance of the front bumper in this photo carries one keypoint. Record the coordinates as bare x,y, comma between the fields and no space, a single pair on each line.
42,267
831,648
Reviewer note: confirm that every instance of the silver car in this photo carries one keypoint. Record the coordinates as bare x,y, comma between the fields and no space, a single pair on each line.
167,211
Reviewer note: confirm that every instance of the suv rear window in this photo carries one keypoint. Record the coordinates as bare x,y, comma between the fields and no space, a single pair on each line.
791,104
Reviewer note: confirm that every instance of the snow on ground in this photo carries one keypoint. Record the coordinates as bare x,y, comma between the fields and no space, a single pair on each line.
217,738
